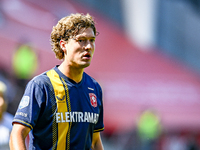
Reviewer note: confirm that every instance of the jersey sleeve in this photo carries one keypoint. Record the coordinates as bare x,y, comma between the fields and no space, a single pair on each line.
30,105
100,125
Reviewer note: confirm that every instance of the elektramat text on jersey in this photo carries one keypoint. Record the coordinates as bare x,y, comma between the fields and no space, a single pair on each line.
77,117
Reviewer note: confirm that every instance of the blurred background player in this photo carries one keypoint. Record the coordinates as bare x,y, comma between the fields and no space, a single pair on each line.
149,129
5,119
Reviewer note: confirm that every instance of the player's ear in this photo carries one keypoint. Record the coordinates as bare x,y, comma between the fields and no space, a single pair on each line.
63,45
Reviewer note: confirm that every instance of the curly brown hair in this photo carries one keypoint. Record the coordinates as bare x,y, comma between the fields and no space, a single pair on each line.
68,27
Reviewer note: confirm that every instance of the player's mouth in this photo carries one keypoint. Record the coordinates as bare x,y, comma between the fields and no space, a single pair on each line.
87,56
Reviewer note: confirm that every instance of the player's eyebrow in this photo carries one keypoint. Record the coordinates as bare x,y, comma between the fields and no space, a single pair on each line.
84,37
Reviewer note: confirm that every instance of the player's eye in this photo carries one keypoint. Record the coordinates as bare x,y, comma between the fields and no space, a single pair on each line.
81,40
92,40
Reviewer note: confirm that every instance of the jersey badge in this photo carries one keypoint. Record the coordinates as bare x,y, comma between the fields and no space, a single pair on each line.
24,102
93,99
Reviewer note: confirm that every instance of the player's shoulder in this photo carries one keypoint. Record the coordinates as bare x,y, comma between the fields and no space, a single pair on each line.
91,80
88,78
41,79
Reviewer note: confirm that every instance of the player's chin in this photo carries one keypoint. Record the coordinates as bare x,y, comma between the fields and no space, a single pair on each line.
84,64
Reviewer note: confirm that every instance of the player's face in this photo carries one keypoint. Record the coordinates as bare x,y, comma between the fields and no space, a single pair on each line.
80,49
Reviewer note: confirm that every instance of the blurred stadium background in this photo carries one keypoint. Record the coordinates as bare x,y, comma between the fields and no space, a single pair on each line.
147,60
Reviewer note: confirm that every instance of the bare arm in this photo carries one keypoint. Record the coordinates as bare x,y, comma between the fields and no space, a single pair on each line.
96,142
18,136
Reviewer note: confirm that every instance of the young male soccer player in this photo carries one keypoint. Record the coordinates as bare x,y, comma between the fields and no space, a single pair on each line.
62,108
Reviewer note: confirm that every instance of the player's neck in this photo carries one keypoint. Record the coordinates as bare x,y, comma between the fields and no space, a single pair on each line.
72,73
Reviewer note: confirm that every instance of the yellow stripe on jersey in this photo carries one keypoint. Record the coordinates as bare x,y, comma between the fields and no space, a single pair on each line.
99,130
17,120
69,109
60,96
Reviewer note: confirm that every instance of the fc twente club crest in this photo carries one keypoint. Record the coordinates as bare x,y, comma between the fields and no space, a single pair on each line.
93,99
